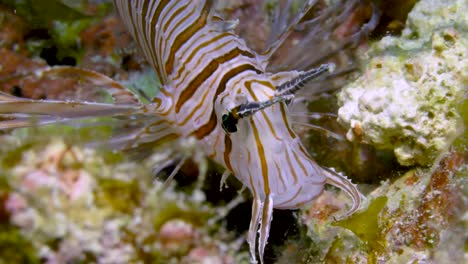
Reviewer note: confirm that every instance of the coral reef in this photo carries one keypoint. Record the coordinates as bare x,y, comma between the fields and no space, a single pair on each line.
410,99
407,97
421,217
77,204
61,202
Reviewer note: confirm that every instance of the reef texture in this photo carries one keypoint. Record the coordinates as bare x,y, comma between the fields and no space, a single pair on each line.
419,218
410,99
407,97
62,203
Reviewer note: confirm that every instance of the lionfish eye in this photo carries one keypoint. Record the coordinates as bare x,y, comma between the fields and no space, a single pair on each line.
229,123
229,120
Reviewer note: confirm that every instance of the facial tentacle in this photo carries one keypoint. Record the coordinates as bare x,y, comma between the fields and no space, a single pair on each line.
283,93
320,129
294,85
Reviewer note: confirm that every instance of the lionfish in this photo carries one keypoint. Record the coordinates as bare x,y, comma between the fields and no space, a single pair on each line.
220,92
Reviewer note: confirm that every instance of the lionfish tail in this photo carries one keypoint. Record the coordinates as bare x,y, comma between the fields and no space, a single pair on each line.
340,181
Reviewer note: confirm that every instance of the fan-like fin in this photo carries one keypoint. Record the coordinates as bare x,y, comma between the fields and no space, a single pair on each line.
119,93
297,60
149,135
280,20
63,109
318,28
19,121
16,111
173,173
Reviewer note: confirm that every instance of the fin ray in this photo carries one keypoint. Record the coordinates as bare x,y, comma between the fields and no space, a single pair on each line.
267,217
347,186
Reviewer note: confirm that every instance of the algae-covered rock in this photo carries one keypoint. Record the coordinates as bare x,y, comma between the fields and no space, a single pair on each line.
418,218
407,97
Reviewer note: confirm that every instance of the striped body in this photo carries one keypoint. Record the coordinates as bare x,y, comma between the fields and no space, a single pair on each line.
217,91
206,70
204,67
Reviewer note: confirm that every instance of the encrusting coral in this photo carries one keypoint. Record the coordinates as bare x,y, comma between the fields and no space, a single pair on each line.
409,99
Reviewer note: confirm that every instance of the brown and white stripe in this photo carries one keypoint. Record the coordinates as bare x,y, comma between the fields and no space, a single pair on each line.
209,75
206,70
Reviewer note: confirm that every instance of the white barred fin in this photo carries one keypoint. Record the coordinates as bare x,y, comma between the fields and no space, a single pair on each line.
336,179
119,93
18,112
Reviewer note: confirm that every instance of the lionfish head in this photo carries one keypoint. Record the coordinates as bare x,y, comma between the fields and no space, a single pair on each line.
263,151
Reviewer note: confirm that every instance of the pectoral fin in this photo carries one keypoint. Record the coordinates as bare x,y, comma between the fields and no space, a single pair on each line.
262,215
347,186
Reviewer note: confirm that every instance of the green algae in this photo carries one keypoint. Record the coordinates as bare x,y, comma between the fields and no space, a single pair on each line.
12,157
121,196
14,247
144,84
41,13
461,143
365,224
174,210
63,20
65,35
